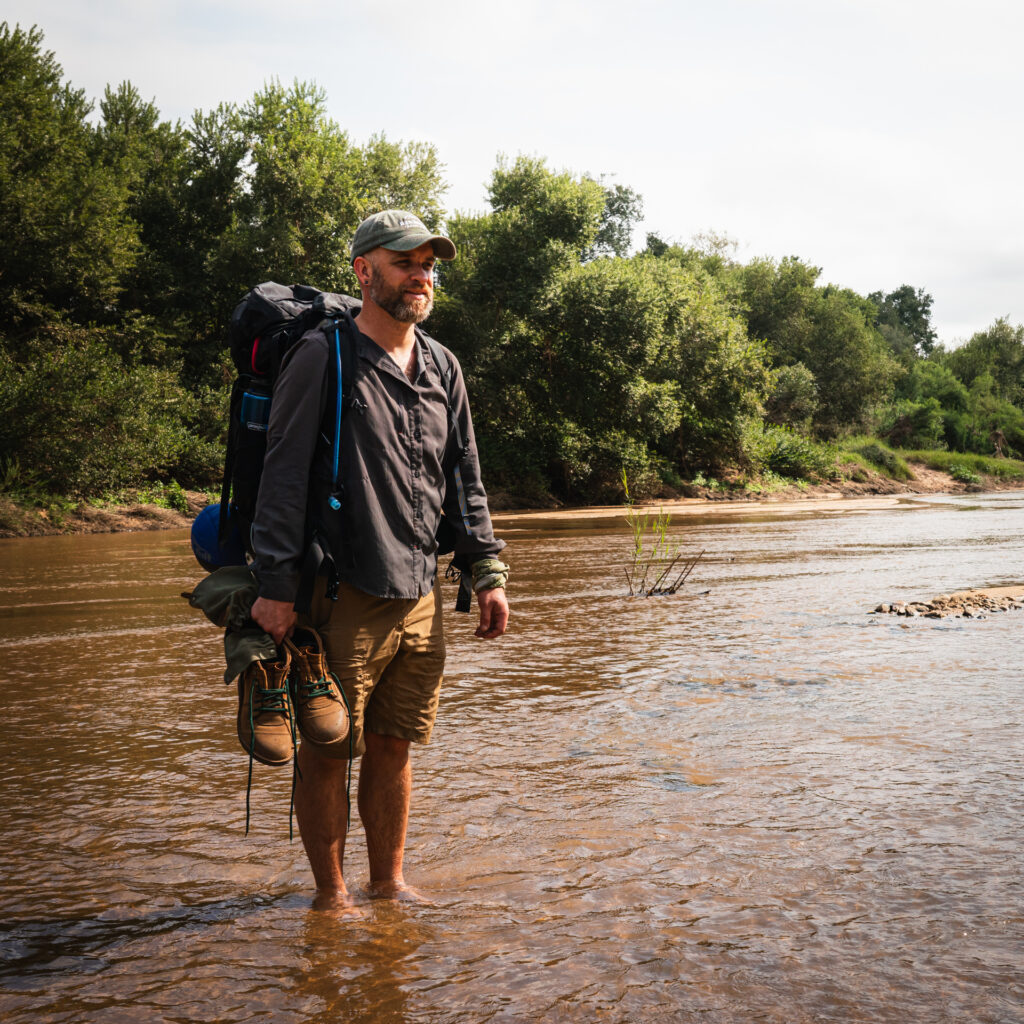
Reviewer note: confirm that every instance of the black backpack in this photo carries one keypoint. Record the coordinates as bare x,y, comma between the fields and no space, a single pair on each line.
268,321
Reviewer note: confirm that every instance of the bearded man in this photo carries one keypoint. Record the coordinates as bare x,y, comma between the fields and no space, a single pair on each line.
408,455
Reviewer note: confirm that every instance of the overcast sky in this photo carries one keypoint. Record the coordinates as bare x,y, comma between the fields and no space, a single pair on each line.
878,139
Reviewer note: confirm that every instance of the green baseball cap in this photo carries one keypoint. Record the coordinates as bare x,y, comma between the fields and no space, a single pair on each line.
400,231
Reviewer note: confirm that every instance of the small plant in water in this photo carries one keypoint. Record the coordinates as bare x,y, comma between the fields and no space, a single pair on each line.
654,557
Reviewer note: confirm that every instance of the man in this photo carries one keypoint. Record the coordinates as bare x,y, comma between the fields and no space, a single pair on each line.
398,473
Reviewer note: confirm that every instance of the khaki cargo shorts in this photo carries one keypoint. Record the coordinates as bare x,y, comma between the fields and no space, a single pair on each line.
388,654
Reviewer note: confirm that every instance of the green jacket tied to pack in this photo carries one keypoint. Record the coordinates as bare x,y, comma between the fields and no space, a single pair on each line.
225,597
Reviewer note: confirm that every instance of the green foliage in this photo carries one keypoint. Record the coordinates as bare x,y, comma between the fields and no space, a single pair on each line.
768,482
880,456
784,451
930,379
700,479
656,564
83,422
541,223
997,352
828,330
937,410
65,235
623,208
959,465
708,254
607,363
908,424
170,495
656,246
126,241
793,400
285,189
964,475
904,317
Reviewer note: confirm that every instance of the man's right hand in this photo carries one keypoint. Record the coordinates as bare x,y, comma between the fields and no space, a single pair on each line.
276,617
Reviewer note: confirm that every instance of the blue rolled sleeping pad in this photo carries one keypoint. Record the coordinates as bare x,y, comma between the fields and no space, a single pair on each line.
211,552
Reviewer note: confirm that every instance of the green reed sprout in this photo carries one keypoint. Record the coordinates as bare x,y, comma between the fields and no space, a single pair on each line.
654,551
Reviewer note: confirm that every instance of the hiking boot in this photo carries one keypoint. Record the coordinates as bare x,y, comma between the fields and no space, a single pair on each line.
266,723
320,710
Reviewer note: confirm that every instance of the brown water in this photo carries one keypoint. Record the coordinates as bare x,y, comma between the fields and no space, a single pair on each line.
761,804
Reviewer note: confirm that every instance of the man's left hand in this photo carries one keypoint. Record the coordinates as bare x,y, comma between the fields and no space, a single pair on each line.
493,613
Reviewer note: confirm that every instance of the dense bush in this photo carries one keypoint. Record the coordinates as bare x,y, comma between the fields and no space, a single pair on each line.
82,422
793,399
881,457
783,450
908,424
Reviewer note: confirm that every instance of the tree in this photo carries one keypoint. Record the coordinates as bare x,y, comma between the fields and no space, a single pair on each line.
623,209
655,245
149,157
510,263
66,238
793,399
997,351
708,251
81,421
274,190
607,364
905,314
829,330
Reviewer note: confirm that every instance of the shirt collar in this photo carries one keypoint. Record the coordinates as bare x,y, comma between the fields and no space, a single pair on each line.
368,349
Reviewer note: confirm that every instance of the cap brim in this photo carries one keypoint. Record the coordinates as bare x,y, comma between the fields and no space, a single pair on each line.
444,248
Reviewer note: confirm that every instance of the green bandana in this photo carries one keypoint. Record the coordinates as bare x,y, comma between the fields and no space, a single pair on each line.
489,573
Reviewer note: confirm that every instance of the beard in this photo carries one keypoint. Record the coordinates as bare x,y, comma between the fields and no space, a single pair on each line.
393,302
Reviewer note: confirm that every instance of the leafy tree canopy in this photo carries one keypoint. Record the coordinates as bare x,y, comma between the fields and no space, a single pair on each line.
623,209
998,351
829,330
66,238
906,312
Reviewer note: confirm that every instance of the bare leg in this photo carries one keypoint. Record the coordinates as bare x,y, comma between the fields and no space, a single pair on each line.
385,788
321,808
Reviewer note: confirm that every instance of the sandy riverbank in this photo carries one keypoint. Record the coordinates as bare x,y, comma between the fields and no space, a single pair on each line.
844,496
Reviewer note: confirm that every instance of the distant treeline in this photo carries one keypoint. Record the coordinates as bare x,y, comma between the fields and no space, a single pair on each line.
125,242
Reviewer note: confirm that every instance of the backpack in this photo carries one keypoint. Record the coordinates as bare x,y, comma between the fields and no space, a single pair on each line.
268,321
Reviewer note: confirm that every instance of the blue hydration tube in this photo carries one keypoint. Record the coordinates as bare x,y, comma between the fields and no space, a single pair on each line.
333,501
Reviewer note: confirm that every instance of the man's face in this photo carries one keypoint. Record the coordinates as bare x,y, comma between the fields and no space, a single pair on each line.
402,283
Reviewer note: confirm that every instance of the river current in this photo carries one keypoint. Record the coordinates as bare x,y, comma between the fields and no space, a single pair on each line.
750,801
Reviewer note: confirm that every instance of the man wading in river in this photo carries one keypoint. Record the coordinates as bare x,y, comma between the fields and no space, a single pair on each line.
401,469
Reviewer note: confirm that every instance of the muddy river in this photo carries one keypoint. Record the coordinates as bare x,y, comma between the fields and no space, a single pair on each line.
749,801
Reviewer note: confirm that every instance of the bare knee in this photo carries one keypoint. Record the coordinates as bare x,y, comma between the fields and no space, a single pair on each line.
389,748
318,767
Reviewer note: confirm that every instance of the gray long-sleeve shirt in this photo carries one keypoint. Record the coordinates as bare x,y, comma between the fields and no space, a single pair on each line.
397,462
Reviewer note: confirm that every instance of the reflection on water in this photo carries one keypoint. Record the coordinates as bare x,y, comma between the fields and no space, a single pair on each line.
762,803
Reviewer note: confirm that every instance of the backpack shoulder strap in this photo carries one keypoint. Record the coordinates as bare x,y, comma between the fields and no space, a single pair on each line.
444,364
341,373
341,365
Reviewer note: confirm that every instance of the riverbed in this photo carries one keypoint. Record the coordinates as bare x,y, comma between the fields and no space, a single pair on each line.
750,800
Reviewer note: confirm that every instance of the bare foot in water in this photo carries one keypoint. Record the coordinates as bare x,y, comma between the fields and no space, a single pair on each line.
336,904
397,891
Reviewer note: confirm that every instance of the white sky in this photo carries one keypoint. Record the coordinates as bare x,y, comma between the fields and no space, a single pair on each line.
877,139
